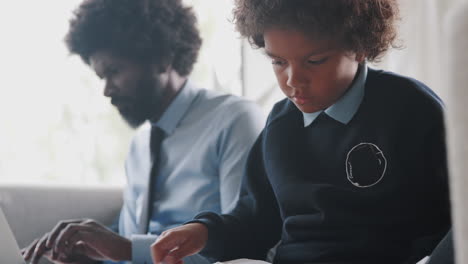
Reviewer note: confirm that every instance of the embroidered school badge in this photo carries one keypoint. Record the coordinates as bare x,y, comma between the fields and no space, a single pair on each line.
365,165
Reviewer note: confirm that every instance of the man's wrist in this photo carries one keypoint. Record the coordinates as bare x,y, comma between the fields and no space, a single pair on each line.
141,248
119,250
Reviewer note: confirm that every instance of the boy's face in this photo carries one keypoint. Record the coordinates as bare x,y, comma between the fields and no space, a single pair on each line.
313,74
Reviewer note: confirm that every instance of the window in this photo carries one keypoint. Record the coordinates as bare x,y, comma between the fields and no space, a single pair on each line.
57,128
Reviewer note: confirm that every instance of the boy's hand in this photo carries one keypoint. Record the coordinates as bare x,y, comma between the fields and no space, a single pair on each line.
175,244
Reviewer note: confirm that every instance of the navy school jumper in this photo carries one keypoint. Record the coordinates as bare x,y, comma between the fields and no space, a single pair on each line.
372,191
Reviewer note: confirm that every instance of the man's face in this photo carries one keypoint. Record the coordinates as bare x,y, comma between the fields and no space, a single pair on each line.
132,87
312,74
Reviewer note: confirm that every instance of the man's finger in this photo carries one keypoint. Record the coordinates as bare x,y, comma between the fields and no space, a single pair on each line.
58,228
80,248
101,243
27,252
81,242
39,250
91,222
61,242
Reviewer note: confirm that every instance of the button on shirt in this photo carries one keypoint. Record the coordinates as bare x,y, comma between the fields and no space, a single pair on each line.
208,136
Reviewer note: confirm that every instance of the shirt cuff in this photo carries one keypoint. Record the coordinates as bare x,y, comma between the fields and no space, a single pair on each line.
141,253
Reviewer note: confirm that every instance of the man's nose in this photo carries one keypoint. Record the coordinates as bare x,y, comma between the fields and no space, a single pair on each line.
109,89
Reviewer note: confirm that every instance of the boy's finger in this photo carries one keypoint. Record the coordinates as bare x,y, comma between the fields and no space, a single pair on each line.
182,251
165,244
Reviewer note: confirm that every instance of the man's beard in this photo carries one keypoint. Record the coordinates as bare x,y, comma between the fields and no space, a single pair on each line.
143,105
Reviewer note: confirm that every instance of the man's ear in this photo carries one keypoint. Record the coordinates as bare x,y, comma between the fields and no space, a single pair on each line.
161,68
161,72
163,65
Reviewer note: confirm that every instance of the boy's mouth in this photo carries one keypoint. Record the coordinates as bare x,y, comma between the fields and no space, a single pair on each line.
301,100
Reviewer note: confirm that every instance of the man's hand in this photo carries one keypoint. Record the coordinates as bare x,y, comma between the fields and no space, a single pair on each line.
175,244
37,249
79,241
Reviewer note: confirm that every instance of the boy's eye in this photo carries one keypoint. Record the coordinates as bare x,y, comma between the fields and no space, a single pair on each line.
277,62
317,62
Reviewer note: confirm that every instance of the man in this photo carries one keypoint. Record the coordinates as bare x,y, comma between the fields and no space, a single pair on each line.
195,148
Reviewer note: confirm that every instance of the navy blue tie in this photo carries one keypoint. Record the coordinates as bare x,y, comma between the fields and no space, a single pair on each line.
157,136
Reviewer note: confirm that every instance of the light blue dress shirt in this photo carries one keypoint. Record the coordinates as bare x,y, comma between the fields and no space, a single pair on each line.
346,107
208,137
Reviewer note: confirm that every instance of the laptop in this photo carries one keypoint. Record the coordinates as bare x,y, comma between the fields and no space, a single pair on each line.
11,254
9,250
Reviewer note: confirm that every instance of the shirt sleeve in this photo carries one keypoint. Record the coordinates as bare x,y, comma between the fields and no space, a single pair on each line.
254,225
236,140
141,244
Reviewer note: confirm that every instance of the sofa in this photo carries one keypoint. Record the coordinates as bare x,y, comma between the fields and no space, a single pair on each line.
34,210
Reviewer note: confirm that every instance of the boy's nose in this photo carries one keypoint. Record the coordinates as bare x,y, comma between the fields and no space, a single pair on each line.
296,78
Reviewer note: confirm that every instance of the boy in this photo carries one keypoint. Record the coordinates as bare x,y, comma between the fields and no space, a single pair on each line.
351,167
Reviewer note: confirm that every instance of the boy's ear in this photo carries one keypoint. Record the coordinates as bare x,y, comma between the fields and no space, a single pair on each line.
360,57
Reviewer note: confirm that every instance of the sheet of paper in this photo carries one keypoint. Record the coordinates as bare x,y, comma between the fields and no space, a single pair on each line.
243,261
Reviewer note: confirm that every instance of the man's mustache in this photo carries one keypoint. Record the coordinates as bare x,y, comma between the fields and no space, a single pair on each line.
119,101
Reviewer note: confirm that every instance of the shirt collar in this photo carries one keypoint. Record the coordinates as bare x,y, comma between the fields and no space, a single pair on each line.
346,107
177,108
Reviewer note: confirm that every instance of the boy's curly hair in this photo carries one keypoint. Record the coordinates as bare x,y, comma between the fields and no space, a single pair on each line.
161,32
366,27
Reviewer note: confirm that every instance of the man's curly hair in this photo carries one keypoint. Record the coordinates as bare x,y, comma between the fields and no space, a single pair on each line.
160,32
366,27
